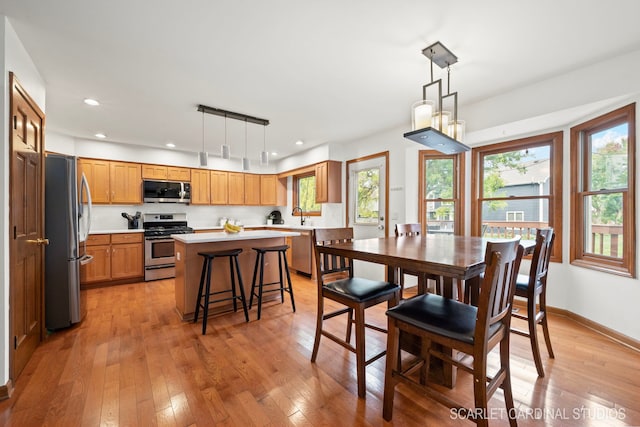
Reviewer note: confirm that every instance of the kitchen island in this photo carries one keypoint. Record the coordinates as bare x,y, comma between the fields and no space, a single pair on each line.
189,264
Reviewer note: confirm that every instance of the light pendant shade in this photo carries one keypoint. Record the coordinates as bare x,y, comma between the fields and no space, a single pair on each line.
203,158
445,117
456,130
264,158
225,151
264,155
421,114
245,159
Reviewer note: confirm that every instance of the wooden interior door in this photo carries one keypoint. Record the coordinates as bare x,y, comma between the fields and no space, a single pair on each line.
26,289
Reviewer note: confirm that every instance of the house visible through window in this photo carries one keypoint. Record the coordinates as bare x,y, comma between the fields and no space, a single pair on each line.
518,188
602,188
440,207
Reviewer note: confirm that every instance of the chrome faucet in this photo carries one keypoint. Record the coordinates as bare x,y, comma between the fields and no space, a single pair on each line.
298,209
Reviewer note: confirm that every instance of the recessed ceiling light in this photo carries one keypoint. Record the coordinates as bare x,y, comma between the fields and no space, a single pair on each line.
170,145
299,142
100,135
273,153
92,102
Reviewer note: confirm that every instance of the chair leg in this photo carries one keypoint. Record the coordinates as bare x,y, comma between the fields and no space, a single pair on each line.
480,390
393,359
281,277
349,325
202,276
319,319
533,336
241,285
206,297
233,285
260,286
253,281
286,269
506,384
545,325
360,352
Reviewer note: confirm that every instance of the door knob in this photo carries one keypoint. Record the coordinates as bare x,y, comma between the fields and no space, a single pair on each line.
39,241
381,227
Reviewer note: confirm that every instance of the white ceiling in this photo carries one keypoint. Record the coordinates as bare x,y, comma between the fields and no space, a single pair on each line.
319,71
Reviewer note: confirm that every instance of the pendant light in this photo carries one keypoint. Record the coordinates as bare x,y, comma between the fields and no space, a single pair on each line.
203,156
433,126
225,150
264,156
245,159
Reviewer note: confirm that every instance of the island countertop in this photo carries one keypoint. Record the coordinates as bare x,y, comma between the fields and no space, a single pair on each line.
230,237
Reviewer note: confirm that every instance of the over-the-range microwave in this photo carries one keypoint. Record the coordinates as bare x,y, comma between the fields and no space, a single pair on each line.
166,191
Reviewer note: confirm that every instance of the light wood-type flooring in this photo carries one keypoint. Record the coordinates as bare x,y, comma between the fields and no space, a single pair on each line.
132,362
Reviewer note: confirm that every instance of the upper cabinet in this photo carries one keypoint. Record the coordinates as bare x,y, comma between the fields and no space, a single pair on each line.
329,182
273,190
219,187
200,187
112,182
236,188
171,173
251,189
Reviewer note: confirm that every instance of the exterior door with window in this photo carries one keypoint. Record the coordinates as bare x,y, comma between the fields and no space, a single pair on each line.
367,210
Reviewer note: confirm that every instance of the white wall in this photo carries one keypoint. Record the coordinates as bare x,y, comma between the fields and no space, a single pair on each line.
13,57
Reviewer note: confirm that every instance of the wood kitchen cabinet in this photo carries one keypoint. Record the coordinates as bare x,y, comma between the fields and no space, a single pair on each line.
125,180
200,187
273,190
251,189
301,253
97,173
219,187
112,182
116,258
154,172
329,182
236,188
178,174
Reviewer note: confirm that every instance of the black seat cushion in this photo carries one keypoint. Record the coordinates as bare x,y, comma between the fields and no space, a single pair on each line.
442,316
522,284
360,289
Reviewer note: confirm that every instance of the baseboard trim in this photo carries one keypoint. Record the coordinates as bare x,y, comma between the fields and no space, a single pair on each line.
6,390
625,340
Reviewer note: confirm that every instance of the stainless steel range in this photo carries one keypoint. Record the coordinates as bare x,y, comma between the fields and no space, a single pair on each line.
159,253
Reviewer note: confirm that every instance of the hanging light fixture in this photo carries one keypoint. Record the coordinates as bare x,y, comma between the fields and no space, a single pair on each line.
434,126
245,159
264,155
225,150
203,156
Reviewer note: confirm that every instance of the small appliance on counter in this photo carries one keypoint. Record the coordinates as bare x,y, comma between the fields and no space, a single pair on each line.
276,217
132,220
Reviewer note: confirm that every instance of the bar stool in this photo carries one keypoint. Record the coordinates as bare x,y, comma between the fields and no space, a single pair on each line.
282,259
207,266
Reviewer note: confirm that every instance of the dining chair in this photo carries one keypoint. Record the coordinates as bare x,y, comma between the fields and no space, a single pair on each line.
336,282
411,230
460,327
533,287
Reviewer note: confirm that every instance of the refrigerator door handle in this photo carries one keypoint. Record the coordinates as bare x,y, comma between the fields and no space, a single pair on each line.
85,186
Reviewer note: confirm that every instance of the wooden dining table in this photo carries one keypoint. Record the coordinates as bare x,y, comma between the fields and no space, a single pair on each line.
454,258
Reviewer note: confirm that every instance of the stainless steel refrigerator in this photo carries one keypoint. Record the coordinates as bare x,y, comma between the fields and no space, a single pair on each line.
67,224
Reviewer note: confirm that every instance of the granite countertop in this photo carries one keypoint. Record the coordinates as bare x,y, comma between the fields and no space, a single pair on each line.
225,237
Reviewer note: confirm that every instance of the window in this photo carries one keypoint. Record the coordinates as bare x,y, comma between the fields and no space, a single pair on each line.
603,193
367,196
304,194
517,188
515,215
440,190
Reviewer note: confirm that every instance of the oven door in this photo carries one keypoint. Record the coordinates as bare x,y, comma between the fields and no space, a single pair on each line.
158,251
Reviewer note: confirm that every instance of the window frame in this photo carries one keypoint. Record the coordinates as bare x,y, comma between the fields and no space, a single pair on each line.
625,266
555,142
296,188
458,187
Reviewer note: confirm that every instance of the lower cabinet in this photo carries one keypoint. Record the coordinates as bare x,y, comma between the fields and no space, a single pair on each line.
116,258
301,253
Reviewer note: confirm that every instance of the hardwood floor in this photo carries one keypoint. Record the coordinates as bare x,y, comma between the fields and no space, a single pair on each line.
132,362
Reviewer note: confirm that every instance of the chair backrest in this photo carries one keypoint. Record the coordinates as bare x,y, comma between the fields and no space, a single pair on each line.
408,230
498,287
331,267
541,256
